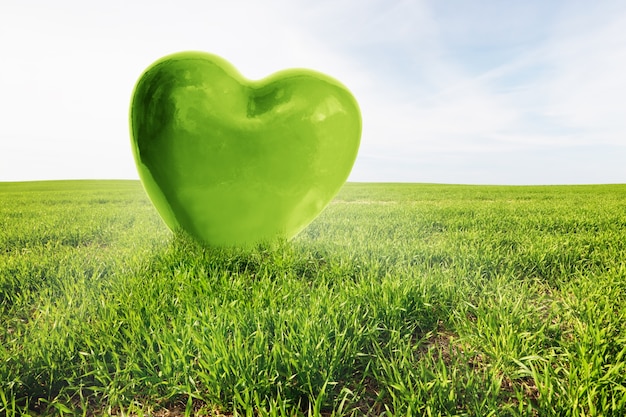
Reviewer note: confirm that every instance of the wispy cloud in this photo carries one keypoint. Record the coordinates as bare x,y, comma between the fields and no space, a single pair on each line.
562,89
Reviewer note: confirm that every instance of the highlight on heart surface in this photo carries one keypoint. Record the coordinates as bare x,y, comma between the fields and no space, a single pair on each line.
237,162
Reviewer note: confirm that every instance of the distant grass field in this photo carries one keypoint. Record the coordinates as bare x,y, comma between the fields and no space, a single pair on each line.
400,299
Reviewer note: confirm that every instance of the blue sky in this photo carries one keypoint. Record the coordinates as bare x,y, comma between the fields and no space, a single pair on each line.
478,92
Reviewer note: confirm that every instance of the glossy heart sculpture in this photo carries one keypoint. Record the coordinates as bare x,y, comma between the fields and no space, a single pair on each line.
239,162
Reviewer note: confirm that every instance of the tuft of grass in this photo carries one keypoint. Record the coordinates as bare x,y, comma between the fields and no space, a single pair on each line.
399,299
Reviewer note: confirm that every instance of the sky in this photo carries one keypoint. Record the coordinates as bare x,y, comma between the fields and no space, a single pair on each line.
456,91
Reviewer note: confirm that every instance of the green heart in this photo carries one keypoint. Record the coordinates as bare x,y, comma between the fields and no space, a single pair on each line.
238,162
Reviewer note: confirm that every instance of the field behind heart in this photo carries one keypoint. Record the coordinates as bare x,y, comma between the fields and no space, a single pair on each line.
400,299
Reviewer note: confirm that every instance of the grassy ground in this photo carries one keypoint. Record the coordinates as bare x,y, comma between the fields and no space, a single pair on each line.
399,300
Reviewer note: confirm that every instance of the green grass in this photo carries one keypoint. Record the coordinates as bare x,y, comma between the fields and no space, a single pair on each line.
400,299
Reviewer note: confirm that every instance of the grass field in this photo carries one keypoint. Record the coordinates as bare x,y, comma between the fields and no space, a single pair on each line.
402,300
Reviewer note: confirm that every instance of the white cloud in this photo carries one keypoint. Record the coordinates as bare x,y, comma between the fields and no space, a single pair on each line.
554,96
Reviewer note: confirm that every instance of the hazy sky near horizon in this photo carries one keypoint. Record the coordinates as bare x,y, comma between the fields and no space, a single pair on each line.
458,91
